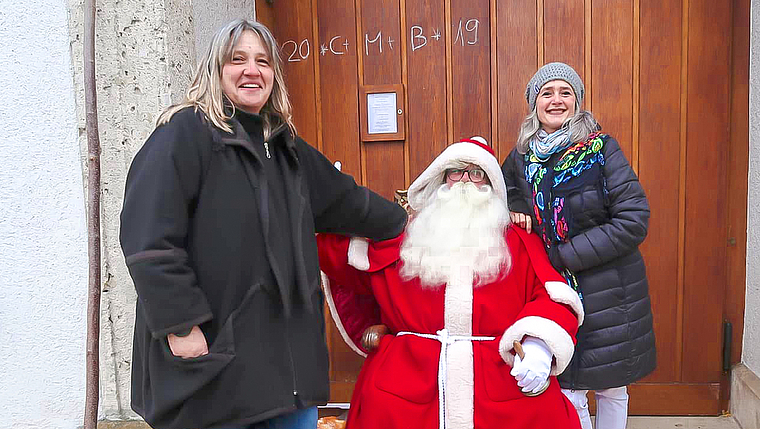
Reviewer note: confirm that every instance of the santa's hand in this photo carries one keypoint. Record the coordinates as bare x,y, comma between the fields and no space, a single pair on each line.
532,371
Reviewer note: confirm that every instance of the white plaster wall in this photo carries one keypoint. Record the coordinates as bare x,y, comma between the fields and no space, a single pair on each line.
751,347
43,242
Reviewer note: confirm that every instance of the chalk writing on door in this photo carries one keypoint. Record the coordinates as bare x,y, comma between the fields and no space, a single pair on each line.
335,46
297,51
380,42
471,28
466,34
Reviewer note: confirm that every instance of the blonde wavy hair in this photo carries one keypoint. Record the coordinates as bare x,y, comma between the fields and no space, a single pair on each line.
206,94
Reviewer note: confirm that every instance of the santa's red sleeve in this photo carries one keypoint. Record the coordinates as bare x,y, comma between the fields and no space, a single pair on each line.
335,263
346,264
553,311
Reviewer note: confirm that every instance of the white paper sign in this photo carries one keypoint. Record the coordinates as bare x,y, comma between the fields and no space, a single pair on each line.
381,113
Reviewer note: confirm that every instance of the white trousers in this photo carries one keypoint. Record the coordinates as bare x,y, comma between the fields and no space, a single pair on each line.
611,407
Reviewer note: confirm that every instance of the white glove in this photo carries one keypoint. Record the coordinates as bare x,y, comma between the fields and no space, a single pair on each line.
531,373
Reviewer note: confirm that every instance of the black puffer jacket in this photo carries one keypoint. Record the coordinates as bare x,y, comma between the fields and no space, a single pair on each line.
592,218
205,248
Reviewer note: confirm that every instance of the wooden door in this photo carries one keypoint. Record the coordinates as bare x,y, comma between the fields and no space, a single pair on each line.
667,78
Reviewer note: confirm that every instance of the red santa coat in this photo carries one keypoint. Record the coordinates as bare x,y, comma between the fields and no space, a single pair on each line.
398,383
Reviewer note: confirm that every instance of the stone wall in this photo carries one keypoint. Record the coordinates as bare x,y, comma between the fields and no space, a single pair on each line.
145,58
751,346
745,380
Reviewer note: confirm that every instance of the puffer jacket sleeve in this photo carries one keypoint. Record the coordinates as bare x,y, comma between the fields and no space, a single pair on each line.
341,206
162,185
514,176
628,219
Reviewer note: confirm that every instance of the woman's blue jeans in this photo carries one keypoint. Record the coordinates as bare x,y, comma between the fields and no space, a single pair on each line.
299,419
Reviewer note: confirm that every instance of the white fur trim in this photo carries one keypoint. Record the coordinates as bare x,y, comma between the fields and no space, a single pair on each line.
562,293
460,385
465,152
336,317
457,311
460,373
358,253
559,341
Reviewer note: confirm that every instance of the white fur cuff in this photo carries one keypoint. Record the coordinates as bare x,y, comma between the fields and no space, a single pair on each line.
358,257
562,293
559,341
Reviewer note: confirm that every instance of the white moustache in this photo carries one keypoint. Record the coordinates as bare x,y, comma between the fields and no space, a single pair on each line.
461,225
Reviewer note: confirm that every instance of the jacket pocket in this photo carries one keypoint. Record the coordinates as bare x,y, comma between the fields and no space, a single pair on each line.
494,373
409,368
175,379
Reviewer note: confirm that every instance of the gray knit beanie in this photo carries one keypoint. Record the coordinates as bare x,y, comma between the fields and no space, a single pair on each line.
548,73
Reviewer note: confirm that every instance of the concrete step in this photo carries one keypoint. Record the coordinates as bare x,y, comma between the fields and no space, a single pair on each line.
726,422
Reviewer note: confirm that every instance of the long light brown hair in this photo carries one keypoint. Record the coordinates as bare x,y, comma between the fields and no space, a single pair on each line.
206,94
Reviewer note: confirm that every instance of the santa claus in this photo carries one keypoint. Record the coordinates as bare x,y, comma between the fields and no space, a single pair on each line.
457,290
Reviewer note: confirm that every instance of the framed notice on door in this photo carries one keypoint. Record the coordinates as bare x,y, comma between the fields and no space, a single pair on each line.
382,112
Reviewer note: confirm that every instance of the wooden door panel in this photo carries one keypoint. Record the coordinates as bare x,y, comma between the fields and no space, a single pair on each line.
660,115
563,27
338,86
426,88
517,60
295,35
668,399
381,42
707,123
612,68
338,71
658,77
344,363
471,69
383,161
385,168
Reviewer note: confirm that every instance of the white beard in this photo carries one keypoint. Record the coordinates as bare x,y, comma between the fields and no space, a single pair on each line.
461,227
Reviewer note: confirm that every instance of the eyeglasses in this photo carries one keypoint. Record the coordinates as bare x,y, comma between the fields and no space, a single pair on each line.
476,175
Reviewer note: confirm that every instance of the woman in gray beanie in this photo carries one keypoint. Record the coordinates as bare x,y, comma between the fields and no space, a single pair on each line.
574,187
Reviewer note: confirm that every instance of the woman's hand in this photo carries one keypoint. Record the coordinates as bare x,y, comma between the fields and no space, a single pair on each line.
522,220
190,346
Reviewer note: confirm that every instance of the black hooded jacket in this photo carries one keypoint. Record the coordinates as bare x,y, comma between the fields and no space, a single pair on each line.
213,236
606,215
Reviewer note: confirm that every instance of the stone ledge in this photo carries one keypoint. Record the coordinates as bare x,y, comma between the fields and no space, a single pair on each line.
123,424
745,397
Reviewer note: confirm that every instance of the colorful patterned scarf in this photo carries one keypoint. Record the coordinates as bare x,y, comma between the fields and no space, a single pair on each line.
551,218
544,145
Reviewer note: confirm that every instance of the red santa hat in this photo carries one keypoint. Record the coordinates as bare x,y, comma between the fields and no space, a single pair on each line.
474,150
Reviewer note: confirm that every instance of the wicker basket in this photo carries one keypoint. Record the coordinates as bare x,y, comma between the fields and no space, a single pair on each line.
330,423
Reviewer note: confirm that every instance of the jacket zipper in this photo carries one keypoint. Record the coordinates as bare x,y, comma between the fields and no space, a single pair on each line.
549,200
292,362
549,212
574,371
275,133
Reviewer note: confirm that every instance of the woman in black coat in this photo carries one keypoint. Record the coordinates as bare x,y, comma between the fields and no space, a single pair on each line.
574,186
220,211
